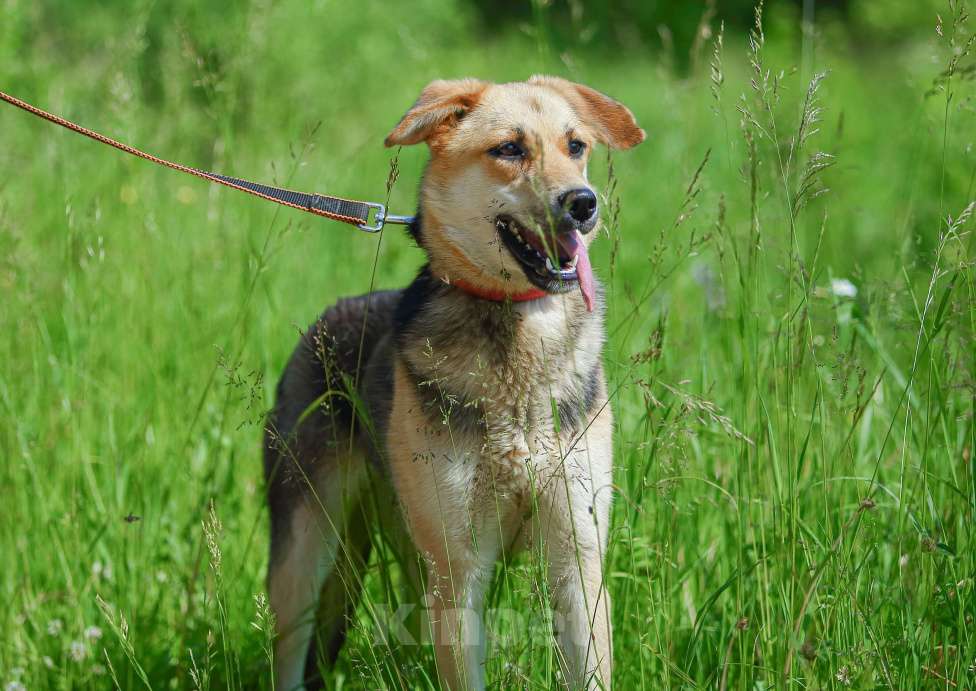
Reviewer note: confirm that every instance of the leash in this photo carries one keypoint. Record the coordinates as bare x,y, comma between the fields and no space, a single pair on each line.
349,211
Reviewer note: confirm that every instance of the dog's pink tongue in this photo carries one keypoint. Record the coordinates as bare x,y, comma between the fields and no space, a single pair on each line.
572,246
584,273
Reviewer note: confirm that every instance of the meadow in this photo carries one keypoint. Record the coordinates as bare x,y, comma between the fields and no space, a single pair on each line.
789,269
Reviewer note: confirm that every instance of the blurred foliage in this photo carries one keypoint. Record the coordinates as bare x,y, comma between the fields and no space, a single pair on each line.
680,28
134,301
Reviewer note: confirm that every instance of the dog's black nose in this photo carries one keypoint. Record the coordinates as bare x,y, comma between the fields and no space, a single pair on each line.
581,204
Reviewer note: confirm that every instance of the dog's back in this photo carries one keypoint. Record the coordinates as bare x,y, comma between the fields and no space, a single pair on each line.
314,414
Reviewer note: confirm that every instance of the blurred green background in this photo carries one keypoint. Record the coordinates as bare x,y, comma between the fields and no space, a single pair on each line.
795,382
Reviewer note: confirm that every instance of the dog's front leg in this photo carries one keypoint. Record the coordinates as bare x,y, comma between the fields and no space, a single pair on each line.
574,513
582,620
455,599
433,477
457,571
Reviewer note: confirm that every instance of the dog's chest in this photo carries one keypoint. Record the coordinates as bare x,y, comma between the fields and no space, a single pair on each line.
516,439
516,456
490,381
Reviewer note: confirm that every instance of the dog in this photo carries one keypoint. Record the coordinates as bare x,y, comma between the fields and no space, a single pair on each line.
474,401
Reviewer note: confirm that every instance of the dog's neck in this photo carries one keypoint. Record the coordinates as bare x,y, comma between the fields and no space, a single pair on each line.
495,295
500,358
493,308
447,266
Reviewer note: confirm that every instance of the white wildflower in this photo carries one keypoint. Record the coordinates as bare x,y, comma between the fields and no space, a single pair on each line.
48,662
93,633
843,288
54,627
100,570
78,651
14,686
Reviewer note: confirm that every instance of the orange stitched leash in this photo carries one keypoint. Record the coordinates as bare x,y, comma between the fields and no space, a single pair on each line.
350,211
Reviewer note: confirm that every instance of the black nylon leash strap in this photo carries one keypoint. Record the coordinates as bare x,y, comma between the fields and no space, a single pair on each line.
350,211
327,206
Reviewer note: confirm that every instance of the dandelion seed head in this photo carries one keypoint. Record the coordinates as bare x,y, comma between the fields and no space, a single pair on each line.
78,651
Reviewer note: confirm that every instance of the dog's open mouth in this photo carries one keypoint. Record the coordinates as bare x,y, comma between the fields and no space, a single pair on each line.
560,267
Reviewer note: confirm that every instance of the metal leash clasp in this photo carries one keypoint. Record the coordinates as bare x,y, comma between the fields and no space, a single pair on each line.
382,218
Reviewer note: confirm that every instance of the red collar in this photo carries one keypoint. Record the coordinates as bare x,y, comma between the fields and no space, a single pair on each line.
496,295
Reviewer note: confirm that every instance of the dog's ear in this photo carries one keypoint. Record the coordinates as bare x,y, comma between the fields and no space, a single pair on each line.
440,102
612,121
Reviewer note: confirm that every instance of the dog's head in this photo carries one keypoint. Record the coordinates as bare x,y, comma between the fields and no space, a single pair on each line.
506,203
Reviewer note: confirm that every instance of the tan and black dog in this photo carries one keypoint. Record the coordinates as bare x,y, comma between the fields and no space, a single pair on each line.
472,404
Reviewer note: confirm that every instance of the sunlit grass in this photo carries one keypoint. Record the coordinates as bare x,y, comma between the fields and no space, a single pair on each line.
793,384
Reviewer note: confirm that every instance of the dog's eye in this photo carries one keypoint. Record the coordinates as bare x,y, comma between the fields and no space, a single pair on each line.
508,150
576,147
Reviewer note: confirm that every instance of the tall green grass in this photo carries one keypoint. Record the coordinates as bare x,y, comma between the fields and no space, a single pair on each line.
792,367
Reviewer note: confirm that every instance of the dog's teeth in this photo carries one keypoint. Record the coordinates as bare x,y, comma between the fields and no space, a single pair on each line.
549,265
573,261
